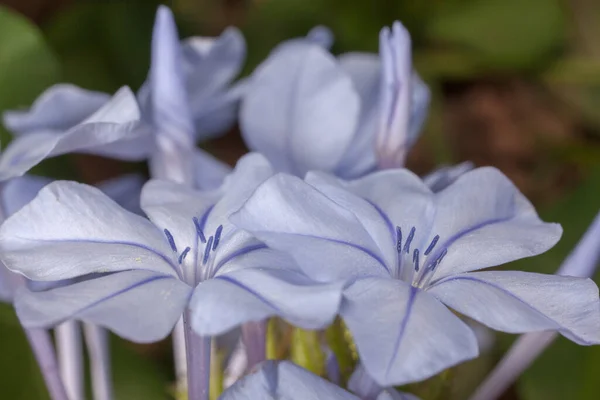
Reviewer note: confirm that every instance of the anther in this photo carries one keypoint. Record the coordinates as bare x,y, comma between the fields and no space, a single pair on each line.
217,237
399,239
439,259
207,250
199,230
411,235
183,254
171,240
432,244
416,259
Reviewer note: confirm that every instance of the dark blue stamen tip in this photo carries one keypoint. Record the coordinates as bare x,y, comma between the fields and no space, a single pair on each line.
432,244
207,250
217,237
416,259
439,259
411,235
199,230
183,254
171,240
398,239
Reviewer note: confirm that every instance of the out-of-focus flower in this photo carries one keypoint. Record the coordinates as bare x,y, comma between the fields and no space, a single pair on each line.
306,110
405,251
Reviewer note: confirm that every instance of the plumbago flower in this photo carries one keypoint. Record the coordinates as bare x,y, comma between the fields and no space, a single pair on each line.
306,110
285,380
149,273
195,101
405,251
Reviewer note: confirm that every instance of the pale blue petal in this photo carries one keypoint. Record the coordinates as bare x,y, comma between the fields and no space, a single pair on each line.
58,109
125,190
219,113
444,176
261,288
374,221
483,221
419,107
117,122
209,171
362,384
210,64
396,94
300,110
519,302
275,380
403,334
19,191
290,215
399,195
9,283
72,229
364,70
393,394
140,306
321,35
169,102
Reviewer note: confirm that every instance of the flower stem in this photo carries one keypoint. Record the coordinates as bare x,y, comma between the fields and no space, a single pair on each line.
198,362
180,358
42,347
96,339
70,358
254,335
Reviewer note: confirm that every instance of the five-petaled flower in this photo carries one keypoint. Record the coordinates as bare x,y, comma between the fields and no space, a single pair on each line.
148,273
404,251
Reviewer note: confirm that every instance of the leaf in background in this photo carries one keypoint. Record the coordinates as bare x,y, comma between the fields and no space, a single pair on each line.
104,45
136,376
565,370
21,378
27,65
502,33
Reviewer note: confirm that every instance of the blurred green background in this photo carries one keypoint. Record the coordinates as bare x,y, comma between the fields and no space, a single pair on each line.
516,84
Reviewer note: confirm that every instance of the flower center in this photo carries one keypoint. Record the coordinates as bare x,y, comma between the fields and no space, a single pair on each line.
416,267
202,260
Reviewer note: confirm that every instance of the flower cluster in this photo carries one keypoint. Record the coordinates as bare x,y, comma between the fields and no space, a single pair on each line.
319,226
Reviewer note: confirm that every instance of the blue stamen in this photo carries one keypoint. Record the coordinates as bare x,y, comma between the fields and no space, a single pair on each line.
183,254
171,240
432,244
439,259
411,235
416,259
217,237
399,239
199,230
207,250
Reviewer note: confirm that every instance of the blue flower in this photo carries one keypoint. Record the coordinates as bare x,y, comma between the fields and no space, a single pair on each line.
404,251
306,110
284,380
189,256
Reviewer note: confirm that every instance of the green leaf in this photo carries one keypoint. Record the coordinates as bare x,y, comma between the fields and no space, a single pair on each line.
501,33
27,65
21,378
